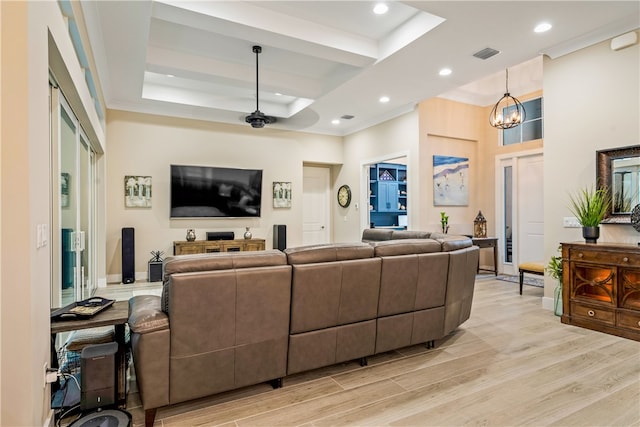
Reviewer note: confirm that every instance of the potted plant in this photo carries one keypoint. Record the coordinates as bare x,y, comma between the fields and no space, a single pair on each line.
554,268
444,222
590,206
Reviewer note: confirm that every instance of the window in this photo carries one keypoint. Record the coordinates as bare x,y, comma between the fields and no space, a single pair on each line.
531,128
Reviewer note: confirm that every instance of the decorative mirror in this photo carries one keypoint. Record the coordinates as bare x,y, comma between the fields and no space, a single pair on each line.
618,171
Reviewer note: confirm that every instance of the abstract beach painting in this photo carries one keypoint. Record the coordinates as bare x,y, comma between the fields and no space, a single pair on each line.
450,181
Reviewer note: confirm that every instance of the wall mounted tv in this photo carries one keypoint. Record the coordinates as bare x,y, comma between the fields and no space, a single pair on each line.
213,192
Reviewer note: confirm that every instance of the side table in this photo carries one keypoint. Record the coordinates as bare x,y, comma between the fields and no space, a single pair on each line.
117,316
488,242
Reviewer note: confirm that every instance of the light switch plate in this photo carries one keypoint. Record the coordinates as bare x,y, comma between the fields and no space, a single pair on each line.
570,222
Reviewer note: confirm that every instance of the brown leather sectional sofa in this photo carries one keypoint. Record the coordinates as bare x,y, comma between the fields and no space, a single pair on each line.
229,320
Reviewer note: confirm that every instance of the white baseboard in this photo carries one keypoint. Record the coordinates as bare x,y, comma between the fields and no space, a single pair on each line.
547,303
48,422
117,278
114,278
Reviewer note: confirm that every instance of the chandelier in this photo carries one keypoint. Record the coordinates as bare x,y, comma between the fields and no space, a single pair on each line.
508,111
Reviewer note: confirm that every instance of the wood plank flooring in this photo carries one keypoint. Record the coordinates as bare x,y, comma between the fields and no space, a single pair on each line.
511,364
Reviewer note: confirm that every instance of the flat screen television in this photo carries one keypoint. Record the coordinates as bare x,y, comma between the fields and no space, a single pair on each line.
213,192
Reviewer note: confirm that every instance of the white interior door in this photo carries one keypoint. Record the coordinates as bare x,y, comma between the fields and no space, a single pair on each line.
315,205
530,209
520,210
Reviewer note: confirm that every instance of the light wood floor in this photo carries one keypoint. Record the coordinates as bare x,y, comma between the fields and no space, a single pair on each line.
511,364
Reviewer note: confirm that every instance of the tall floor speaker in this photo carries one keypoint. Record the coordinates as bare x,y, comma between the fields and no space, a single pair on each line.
98,375
280,237
128,255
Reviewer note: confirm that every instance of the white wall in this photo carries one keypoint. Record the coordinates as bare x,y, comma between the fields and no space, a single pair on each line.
141,144
591,102
385,141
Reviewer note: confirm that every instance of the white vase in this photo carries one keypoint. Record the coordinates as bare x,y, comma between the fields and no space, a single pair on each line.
247,234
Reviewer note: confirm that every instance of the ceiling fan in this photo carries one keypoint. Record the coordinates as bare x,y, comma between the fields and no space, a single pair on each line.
258,119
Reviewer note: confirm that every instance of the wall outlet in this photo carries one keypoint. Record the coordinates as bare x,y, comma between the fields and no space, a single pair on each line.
571,222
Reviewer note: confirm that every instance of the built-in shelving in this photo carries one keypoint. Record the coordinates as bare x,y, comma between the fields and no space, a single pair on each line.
387,194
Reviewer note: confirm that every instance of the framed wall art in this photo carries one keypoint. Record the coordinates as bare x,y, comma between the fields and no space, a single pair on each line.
281,194
137,191
450,181
65,185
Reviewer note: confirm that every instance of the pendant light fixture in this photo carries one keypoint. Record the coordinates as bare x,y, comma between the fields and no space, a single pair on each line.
508,111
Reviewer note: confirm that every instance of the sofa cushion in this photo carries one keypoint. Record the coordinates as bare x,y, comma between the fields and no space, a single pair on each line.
81,338
406,247
334,293
216,261
453,243
328,252
223,261
376,234
409,234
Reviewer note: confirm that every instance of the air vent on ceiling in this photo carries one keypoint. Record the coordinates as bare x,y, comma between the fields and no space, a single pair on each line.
347,117
486,53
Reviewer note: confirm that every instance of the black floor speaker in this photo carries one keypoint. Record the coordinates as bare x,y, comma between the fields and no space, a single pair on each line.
128,255
280,237
98,375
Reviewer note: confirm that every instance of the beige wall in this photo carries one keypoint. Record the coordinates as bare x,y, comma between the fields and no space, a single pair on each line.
26,30
451,128
591,103
24,287
141,144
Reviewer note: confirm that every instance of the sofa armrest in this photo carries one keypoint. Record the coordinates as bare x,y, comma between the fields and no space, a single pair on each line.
150,337
146,315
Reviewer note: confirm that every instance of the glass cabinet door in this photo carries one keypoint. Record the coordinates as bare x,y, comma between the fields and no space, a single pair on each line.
630,288
594,283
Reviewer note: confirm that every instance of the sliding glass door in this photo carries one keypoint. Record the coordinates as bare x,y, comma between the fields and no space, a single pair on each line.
74,250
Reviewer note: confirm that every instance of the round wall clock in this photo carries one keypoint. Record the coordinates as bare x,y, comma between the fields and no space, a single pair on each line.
344,196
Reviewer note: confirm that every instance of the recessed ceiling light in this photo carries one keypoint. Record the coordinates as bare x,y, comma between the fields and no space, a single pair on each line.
384,99
335,122
380,9
170,75
542,27
445,71
278,94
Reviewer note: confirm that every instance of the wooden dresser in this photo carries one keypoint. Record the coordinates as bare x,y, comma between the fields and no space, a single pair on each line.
204,246
601,287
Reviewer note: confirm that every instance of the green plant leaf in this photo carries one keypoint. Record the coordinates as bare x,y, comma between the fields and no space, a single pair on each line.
590,205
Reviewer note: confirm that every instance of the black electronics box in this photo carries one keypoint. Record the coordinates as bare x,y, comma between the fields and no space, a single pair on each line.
221,235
